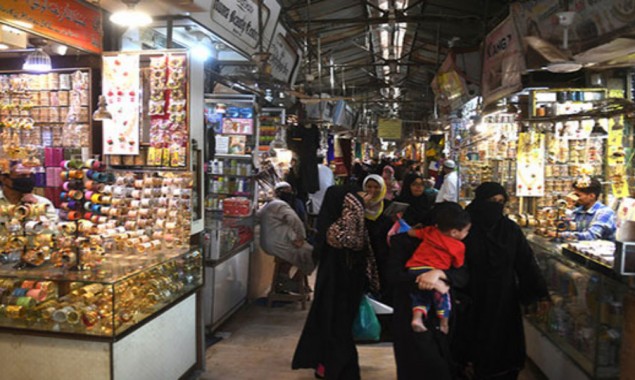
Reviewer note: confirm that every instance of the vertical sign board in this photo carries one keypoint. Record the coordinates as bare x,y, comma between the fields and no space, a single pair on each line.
71,22
503,62
236,22
285,56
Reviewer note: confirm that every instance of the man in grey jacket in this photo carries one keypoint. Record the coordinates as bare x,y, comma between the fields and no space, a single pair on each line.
283,235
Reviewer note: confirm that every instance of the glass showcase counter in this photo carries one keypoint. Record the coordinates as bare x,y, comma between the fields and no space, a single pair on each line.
585,319
126,290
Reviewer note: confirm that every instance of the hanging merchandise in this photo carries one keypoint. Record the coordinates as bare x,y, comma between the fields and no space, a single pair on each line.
615,158
530,178
304,140
168,110
121,87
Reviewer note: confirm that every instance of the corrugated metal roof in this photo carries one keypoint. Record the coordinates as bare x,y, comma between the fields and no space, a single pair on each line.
348,32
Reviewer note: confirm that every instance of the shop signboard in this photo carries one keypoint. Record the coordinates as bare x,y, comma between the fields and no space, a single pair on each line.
389,129
503,62
285,56
593,19
237,22
530,171
71,22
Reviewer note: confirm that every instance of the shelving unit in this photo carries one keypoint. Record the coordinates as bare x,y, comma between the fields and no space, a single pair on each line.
570,147
47,117
230,193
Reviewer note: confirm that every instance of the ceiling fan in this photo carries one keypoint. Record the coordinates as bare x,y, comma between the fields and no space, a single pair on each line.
561,60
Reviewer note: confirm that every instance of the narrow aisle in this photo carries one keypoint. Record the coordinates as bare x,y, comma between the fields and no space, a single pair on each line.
262,342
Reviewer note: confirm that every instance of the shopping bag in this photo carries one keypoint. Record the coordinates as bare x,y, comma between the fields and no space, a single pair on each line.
366,326
380,308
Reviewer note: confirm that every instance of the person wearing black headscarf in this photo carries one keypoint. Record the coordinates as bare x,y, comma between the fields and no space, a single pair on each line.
412,193
347,268
503,274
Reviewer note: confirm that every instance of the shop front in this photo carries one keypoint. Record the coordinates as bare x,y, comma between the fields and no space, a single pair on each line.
98,273
544,135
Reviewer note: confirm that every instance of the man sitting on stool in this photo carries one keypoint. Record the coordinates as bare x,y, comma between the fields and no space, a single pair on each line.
282,234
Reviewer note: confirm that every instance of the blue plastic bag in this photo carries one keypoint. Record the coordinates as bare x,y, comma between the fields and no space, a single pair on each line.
366,326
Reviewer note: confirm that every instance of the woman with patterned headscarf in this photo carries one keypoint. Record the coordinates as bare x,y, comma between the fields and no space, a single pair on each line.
347,269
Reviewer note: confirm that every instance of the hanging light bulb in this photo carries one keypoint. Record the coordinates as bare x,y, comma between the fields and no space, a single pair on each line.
37,61
102,112
131,17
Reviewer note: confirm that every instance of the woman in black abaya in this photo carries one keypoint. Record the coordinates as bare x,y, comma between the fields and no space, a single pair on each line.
412,192
346,269
503,274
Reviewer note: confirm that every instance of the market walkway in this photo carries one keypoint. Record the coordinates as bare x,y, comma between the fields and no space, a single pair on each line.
261,342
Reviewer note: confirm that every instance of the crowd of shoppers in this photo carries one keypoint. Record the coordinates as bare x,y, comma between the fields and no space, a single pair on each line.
484,337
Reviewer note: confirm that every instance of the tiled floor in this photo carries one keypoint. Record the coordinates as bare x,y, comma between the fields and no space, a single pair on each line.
261,342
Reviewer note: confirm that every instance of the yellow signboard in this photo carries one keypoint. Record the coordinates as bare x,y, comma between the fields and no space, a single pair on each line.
389,129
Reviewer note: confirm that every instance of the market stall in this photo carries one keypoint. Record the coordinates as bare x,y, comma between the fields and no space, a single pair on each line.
109,276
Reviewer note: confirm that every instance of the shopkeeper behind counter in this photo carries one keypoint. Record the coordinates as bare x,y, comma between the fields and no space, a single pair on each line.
17,187
592,220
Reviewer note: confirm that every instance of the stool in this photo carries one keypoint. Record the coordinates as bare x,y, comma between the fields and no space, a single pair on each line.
303,295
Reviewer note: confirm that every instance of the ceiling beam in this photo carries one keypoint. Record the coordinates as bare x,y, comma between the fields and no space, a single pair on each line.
386,20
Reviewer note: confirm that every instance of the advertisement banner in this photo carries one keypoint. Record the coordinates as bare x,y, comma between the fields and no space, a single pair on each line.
70,22
530,165
503,62
593,19
389,129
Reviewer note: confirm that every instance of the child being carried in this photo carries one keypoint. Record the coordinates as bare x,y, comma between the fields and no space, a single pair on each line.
440,248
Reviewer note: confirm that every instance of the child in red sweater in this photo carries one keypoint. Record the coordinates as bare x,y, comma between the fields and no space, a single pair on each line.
440,248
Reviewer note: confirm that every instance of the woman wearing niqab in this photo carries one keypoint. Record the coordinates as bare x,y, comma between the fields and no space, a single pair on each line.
503,274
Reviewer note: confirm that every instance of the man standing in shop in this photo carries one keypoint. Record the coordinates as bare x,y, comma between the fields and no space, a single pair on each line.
449,191
592,220
17,188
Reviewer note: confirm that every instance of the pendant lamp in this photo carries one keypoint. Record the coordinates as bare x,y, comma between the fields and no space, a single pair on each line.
37,61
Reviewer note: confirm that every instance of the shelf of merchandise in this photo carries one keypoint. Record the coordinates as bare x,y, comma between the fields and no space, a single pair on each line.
47,131
228,240
584,323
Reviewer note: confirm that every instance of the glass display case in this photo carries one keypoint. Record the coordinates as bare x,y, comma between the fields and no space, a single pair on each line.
125,291
586,316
